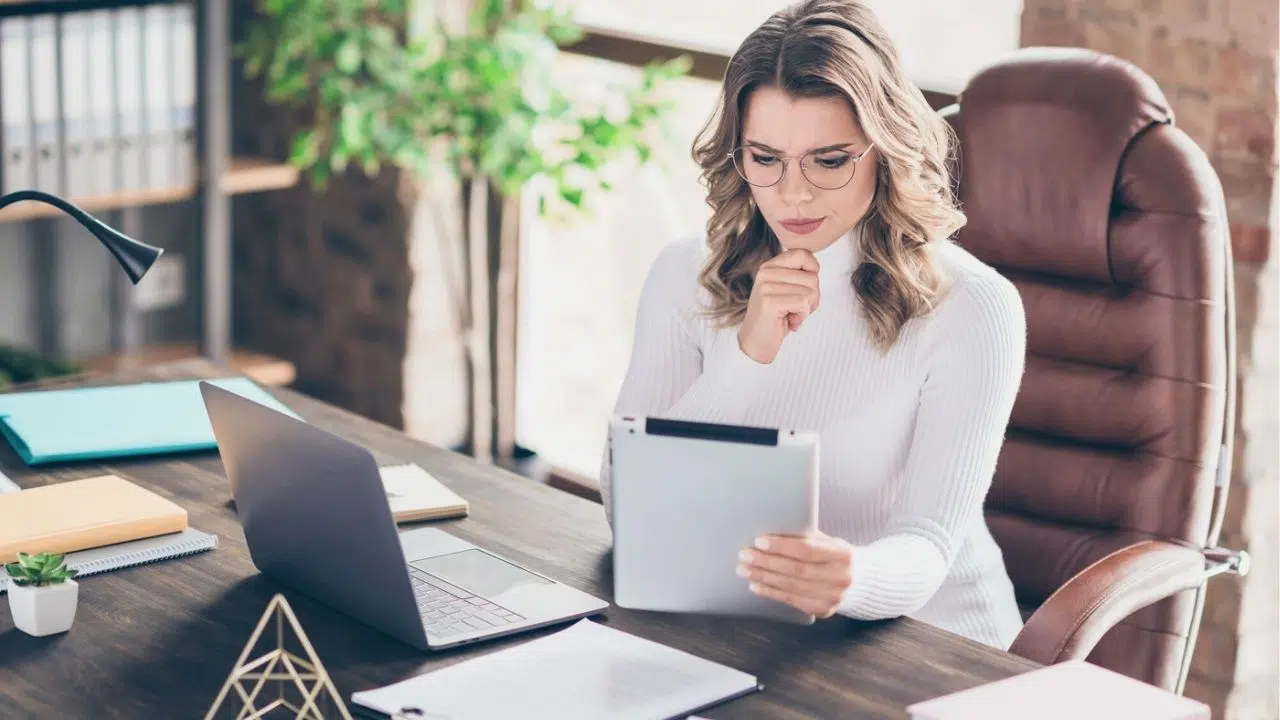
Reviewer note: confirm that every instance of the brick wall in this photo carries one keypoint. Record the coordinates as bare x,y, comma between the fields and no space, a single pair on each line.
1217,62
323,281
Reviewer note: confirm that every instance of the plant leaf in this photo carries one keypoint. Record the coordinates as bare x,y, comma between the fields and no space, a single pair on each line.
377,93
573,196
349,56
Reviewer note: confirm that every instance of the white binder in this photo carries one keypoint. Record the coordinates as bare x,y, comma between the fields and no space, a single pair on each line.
130,100
104,153
158,94
184,93
15,112
44,98
75,118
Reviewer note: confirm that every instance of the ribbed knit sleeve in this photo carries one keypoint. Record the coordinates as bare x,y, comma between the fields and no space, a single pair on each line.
975,361
666,375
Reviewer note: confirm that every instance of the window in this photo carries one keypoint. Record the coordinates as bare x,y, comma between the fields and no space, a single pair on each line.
941,42
579,283
712,25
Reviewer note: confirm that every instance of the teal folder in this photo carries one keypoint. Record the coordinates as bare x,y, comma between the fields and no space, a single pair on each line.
117,420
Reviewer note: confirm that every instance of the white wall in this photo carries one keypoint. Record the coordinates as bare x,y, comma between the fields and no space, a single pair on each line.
943,42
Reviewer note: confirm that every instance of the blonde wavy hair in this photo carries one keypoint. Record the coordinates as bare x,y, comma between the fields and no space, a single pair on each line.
824,48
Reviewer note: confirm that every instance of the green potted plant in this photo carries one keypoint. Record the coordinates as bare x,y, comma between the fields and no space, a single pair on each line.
478,103
42,594
18,366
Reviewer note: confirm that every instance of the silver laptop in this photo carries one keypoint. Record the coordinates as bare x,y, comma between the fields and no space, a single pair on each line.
316,518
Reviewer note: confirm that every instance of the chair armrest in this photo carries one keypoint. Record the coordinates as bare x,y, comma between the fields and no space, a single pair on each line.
1072,620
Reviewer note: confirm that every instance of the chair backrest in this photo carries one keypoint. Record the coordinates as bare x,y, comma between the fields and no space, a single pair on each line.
1111,222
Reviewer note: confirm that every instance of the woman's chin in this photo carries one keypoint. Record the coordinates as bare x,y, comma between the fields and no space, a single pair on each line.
812,242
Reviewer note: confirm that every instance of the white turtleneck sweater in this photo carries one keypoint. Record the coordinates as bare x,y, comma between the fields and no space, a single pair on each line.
908,437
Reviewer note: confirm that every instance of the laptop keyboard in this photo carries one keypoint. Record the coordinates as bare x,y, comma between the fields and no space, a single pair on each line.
448,610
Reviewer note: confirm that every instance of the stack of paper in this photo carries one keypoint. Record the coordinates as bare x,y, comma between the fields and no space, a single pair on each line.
1065,691
587,671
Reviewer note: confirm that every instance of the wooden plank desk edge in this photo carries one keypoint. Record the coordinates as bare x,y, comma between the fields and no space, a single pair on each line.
154,639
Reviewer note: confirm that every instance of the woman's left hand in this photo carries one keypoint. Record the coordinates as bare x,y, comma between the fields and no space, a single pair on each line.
810,573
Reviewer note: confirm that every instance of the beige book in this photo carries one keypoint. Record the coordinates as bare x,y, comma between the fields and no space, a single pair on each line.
81,514
414,495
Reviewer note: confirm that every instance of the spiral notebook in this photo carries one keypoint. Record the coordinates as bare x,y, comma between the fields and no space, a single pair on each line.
135,552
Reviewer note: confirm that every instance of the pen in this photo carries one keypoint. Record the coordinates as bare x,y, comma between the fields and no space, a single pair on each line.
414,713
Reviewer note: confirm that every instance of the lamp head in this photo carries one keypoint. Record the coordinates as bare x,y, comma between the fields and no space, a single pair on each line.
135,257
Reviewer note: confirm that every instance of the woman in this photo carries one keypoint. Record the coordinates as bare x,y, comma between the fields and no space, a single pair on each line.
827,295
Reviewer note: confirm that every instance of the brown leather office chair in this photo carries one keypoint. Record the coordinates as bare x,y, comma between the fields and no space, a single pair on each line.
1110,491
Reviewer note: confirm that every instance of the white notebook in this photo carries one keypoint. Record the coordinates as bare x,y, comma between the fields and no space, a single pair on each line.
415,494
132,553
1064,691
587,671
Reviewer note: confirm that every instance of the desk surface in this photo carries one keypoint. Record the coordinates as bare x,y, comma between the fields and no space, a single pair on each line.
159,640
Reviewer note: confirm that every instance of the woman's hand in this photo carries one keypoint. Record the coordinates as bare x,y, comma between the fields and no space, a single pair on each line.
783,293
810,573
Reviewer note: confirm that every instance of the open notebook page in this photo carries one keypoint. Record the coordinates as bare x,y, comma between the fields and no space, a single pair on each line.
587,671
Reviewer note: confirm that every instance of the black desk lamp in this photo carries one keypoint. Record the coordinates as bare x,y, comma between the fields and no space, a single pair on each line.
135,257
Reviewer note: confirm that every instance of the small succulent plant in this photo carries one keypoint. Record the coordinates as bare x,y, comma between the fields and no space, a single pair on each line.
39,570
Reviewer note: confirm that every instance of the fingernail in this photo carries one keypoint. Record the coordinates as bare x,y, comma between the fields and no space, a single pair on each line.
762,543
754,588
743,571
745,556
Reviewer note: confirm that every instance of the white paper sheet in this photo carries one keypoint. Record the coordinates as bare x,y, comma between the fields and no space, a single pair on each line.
586,671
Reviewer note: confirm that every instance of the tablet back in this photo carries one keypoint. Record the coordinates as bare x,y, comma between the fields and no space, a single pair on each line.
688,497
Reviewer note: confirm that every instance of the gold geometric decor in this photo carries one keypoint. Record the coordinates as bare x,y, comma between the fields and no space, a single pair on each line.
279,679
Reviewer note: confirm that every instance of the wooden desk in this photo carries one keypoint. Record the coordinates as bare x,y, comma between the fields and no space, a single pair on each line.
158,641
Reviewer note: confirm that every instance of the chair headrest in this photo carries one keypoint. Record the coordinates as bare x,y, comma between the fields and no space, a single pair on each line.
1044,132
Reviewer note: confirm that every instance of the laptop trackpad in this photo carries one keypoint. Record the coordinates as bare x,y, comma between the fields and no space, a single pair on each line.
479,573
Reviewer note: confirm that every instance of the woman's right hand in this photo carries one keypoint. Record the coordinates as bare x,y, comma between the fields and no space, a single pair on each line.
784,294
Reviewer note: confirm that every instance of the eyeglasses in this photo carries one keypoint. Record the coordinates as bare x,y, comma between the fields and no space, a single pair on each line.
828,169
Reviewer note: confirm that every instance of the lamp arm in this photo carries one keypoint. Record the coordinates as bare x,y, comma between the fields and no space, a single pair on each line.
81,216
134,256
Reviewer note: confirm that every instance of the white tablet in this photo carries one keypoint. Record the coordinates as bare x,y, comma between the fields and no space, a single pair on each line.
687,497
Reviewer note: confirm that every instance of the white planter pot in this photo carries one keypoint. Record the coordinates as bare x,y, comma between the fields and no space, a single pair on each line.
41,611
